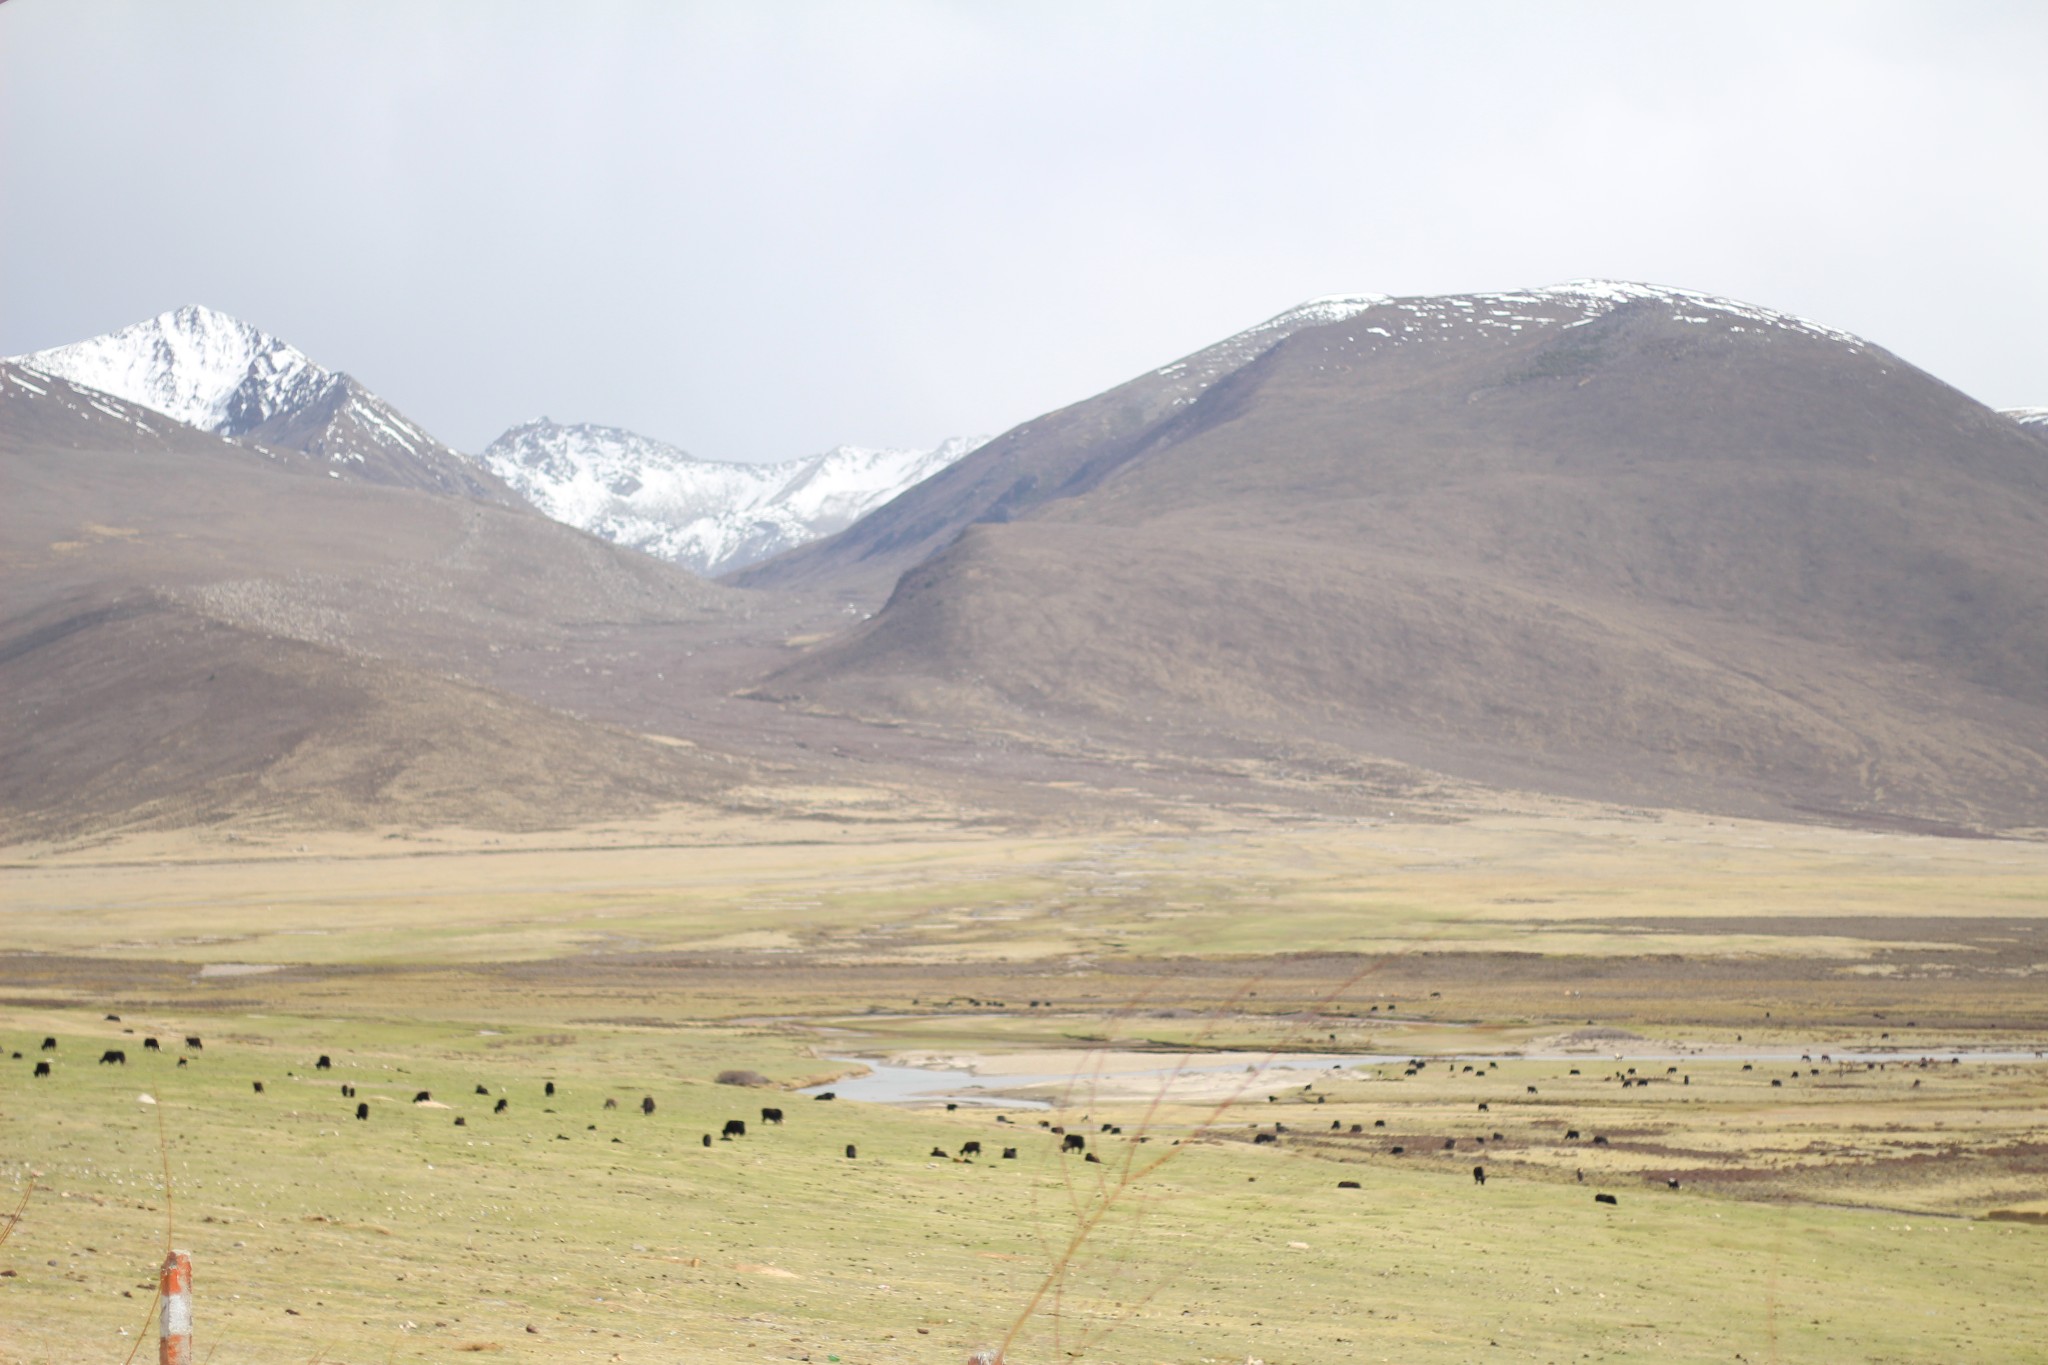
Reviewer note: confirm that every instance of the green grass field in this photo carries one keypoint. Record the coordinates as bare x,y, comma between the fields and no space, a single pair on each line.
1836,1216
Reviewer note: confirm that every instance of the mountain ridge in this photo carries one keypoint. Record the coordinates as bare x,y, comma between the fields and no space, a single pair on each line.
196,630
1601,537
710,516
225,376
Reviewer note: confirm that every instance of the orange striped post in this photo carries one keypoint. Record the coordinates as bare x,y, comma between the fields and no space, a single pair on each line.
174,1336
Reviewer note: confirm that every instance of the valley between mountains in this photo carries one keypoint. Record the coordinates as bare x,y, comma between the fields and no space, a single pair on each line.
1376,839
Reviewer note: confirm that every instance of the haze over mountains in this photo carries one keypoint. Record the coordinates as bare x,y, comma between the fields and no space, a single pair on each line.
1610,541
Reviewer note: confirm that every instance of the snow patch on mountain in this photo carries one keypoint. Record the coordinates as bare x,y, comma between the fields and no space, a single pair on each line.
1561,307
2033,419
220,374
201,367
1441,317
707,515
1189,375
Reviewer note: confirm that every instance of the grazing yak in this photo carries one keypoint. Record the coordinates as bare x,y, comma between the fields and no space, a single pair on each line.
940,1154
1605,1199
647,1107
1347,1184
324,1063
192,1043
258,1086
113,1056
851,1153
1073,1142
42,1068
423,1097
734,1128
1262,1139
151,1045
707,1139
970,1149
828,1095
771,1115
501,1106
49,1044
1479,1175
362,1111
483,1090
1009,1153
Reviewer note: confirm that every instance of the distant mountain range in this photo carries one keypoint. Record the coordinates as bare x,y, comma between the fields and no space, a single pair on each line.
224,376
1604,540
706,515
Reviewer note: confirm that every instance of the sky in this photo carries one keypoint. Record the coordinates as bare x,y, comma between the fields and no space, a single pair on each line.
757,230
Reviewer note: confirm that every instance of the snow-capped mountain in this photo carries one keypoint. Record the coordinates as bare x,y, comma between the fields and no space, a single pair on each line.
2033,419
706,515
220,374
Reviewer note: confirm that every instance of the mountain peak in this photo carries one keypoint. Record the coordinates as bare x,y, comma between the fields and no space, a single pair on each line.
707,515
195,364
213,371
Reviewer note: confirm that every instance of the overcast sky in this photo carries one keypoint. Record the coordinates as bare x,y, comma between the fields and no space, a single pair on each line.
757,230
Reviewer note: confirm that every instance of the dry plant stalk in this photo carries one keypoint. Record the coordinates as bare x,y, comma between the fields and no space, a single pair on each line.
1090,1210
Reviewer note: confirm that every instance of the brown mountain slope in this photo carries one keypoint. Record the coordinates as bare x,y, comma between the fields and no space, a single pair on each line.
191,629
360,436
1035,463
1609,540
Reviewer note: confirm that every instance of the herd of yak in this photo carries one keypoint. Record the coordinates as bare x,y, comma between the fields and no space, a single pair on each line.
737,1128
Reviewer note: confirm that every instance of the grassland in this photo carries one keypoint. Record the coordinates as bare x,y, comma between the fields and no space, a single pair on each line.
1843,1213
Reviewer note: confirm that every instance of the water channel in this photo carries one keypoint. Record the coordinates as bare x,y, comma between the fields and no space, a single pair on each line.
892,1083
